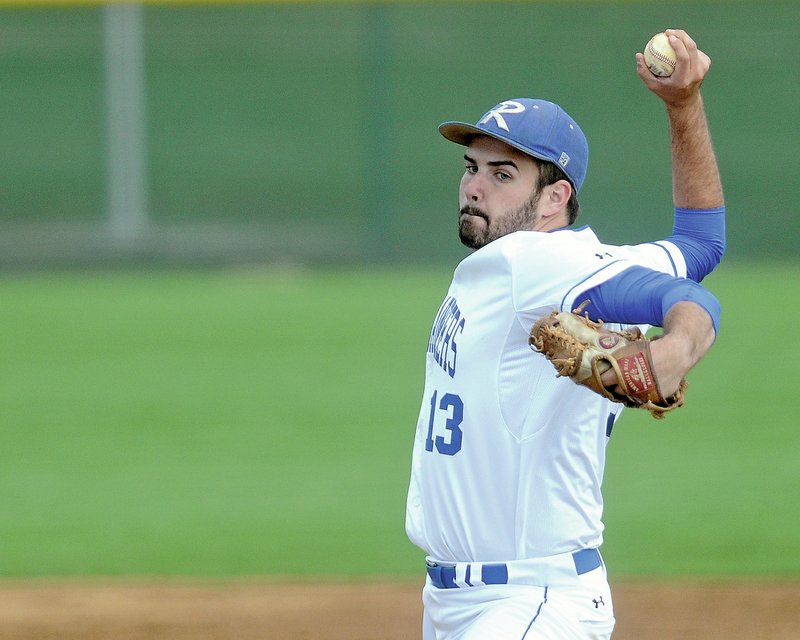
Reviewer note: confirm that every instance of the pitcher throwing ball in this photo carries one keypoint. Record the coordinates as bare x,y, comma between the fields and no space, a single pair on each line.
508,460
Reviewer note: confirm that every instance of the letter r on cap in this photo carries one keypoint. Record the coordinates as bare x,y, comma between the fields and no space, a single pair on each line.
507,107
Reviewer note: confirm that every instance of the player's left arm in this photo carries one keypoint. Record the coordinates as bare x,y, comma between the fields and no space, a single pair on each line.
687,311
639,295
689,332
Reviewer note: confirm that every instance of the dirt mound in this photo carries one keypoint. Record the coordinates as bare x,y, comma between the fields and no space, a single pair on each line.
364,611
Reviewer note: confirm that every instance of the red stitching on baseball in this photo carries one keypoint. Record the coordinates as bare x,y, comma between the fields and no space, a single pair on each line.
660,56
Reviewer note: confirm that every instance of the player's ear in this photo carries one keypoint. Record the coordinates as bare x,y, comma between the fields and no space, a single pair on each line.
555,198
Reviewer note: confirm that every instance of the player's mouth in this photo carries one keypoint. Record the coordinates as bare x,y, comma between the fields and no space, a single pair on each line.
469,210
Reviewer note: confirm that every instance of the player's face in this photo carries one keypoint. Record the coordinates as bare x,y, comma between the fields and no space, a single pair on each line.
498,194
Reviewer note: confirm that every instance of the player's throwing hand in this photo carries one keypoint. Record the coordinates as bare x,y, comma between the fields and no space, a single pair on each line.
691,68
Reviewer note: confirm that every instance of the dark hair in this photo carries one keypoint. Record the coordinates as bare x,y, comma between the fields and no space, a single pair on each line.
550,173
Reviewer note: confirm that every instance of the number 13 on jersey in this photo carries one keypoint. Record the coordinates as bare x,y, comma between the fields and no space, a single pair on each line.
446,416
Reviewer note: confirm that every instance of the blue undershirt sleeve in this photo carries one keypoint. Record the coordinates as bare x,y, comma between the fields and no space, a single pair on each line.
642,296
700,236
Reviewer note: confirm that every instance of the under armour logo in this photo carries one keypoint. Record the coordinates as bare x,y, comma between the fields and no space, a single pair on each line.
603,255
504,108
598,601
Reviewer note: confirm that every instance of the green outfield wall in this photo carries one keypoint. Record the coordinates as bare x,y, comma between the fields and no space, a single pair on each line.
306,132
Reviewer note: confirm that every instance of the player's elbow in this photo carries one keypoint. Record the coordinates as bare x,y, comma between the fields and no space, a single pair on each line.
700,297
703,257
716,250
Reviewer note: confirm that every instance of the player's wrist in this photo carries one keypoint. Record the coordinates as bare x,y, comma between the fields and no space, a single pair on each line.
686,109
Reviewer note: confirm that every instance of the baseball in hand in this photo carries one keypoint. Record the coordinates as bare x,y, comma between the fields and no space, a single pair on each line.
660,56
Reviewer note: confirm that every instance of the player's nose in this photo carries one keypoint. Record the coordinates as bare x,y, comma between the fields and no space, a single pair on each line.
473,187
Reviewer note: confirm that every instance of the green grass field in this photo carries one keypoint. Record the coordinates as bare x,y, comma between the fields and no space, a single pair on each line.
247,422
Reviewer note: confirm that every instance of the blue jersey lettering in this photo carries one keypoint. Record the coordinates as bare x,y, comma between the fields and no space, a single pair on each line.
442,345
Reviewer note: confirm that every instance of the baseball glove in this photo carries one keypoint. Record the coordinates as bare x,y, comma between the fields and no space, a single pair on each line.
583,350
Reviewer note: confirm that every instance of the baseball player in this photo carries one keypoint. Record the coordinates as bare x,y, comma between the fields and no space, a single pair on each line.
508,459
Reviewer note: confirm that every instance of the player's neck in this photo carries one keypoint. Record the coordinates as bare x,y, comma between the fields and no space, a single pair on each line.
553,223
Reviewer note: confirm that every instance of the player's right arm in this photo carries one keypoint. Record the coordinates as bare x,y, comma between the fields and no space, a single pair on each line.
696,182
699,226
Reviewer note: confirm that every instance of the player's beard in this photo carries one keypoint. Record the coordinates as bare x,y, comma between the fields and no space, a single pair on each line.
475,235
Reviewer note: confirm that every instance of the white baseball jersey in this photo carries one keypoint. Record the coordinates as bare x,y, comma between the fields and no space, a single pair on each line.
508,459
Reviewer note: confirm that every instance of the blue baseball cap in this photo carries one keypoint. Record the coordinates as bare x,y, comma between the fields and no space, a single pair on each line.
539,128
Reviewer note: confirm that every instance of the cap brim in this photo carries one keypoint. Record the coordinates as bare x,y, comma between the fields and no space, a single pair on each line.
460,132
463,133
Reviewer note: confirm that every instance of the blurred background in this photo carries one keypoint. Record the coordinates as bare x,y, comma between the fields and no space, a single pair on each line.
296,132
225,230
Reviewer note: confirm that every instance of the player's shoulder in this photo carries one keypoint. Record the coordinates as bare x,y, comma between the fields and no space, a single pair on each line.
539,244
532,251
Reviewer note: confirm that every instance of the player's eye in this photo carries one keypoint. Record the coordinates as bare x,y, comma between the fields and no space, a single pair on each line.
471,169
502,176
